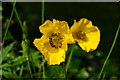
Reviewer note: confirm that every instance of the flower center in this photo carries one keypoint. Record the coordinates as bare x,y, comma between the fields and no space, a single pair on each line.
56,40
80,35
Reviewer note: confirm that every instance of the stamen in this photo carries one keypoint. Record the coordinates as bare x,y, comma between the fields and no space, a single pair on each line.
80,35
56,40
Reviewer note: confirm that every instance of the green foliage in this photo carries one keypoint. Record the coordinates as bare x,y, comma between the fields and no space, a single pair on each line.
8,74
1,8
35,58
9,36
6,51
20,59
25,46
57,71
25,31
83,74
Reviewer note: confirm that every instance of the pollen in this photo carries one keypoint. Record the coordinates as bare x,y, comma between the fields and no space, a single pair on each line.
56,40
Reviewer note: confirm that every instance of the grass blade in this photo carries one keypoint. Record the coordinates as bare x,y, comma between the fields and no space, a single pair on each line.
8,25
69,59
43,7
113,44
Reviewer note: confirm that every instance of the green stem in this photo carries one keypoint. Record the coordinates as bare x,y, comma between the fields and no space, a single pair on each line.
8,25
29,68
64,76
20,22
42,23
43,68
43,8
69,59
21,70
113,44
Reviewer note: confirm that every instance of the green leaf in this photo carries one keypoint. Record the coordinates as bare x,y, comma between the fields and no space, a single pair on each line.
19,60
25,31
9,74
5,65
0,72
24,45
57,71
0,14
9,36
35,55
6,50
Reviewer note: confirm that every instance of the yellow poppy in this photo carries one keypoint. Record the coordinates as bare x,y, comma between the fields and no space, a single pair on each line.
53,43
86,34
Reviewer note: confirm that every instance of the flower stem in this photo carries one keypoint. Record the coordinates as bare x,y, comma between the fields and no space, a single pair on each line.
43,7
8,25
20,22
43,68
69,59
21,70
22,26
113,44
29,69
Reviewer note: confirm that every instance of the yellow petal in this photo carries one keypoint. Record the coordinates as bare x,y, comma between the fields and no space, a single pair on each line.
54,55
54,27
56,58
64,46
82,24
60,26
46,28
74,27
39,44
69,38
85,22
50,49
93,39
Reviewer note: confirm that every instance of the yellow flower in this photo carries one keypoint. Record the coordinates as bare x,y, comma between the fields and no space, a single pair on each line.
86,34
53,43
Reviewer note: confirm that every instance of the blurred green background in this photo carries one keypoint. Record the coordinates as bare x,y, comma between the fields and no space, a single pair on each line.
83,65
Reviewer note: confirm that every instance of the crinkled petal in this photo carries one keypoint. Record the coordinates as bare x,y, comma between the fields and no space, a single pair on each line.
92,34
93,39
81,25
74,28
56,58
69,38
60,26
46,28
64,46
39,44
51,54
50,49
56,26
85,21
